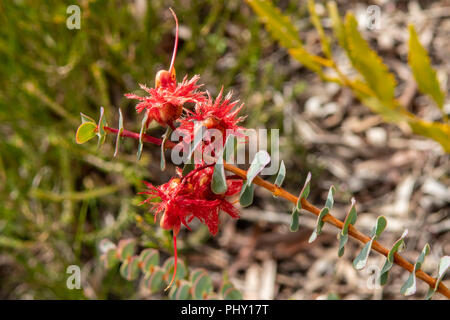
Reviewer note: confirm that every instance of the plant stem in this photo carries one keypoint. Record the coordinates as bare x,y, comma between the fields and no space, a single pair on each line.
280,192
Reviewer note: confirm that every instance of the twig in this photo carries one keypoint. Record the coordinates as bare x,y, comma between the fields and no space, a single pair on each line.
280,192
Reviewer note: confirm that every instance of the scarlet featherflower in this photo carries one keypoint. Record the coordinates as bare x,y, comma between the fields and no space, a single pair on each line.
220,114
184,198
165,102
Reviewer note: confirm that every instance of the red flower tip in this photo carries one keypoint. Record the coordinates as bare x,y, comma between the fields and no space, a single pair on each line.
220,114
164,103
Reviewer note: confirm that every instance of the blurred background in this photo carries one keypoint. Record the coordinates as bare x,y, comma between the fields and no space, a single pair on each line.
59,199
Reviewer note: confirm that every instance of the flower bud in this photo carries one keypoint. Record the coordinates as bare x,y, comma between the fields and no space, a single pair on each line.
164,78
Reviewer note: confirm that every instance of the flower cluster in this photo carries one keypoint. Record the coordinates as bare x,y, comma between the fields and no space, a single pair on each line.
184,198
187,197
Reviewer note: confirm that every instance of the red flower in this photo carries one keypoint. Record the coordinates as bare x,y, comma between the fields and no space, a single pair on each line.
218,114
185,198
189,197
164,103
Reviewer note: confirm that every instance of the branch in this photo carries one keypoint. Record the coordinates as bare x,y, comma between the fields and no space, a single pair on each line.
280,192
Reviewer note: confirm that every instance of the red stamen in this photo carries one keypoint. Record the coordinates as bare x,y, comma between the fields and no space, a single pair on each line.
175,263
176,42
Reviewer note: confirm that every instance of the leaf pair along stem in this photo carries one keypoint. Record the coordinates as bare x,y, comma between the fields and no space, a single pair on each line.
306,205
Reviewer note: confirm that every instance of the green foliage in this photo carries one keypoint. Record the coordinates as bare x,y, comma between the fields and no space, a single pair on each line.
86,131
368,63
424,74
280,175
305,191
318,25
246,195
350,219
141,133
260,161
195,284
398,246
279,25
444,265
219,183
378,88
361,259
409,287
320,223
149,258
294,220
56,196
101,133
118,137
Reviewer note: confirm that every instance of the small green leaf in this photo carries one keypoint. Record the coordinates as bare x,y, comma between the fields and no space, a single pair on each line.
320,223
342,241
379,226
409,287
101,133
109,258
166,136
202,286
85,118
183,291
294,220
168,267
126,248
232,294
424,73
260,161
130,268
219,181
225,286
349,220
118,138
305,191
155,281
246,195
141,134
86,131
281,175
444,264
148,258
330,198
397,247
421,259
361,259
195,274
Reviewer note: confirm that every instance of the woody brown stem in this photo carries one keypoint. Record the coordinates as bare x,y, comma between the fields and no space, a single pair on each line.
280,192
